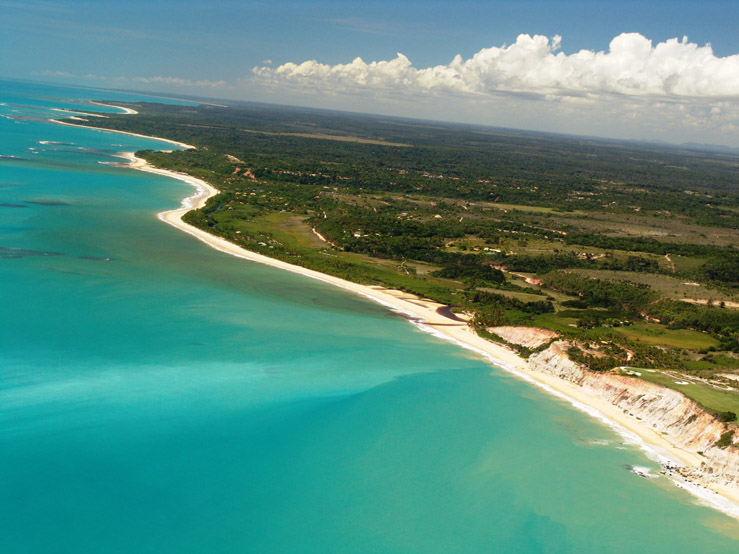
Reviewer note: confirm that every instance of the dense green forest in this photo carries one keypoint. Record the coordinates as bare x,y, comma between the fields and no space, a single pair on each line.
629,251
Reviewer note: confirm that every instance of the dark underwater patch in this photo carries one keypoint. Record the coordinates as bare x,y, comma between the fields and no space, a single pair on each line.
48,202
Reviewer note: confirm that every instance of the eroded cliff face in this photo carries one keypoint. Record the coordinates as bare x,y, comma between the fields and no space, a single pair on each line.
531,337
676,417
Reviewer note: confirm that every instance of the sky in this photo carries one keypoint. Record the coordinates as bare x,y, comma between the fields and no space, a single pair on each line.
646,70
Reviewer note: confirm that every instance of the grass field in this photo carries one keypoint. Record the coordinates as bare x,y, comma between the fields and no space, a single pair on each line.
285,232
665,285
666,229
706,395
340,138
522,296
527,209
658,335
554,322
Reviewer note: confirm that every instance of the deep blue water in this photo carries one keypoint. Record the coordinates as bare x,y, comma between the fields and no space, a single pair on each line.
158,396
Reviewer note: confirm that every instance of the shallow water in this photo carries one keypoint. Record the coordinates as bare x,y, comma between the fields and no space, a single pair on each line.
158,396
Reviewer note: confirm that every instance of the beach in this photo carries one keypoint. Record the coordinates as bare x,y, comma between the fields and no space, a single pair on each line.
152,382
127,111
431,317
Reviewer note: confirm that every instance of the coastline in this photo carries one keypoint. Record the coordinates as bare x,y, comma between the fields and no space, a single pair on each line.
176,143
425,315
126,111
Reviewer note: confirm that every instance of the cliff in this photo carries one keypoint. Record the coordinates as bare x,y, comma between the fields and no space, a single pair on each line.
668,412
531,337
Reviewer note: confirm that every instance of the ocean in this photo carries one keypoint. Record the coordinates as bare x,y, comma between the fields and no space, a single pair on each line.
159,396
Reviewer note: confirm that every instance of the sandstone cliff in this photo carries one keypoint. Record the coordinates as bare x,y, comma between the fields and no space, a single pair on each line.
680,420
531,337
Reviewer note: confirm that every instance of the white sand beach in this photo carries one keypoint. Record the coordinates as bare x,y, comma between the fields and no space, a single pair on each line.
176,143
426,314
430,316
127,111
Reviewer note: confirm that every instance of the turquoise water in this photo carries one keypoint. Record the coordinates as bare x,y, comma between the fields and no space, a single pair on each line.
158,396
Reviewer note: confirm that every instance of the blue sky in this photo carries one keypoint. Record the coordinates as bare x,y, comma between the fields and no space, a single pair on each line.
212,49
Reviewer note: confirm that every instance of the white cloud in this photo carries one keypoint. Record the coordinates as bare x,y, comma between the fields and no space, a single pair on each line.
633,66
674,90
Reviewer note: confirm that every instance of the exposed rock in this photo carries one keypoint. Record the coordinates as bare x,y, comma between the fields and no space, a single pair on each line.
530,337
680,420
554,361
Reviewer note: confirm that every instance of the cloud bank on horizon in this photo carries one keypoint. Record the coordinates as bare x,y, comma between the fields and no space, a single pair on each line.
673,84
676,91
632,66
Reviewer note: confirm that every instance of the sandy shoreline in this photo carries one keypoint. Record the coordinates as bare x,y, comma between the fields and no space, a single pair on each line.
175,142
127,111
425,314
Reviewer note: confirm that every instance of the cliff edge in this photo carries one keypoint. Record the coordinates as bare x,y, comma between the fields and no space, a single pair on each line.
676,417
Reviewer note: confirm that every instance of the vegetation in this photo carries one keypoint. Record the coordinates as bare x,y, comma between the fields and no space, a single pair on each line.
726,439
630,252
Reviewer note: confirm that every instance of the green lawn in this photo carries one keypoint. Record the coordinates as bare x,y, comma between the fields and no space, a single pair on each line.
711,398
554,322
658,335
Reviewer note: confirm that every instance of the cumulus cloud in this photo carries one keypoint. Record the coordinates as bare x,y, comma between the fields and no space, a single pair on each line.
632,66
